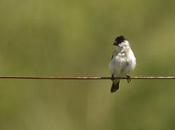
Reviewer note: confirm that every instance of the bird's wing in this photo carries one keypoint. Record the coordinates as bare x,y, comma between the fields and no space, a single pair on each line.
115,64
115,52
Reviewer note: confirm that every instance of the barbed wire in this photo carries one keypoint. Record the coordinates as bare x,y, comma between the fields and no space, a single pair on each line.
83,77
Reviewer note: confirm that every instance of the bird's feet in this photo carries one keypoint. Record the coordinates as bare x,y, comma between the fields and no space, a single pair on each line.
128,78
112,77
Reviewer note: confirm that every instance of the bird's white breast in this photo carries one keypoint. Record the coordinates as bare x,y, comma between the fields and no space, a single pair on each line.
122,63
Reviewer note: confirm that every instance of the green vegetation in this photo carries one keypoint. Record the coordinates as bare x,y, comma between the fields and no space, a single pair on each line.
74,38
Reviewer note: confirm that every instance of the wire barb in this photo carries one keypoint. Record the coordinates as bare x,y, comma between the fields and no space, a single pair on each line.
82,77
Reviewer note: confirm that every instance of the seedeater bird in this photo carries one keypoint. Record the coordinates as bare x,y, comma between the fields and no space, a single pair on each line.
122,61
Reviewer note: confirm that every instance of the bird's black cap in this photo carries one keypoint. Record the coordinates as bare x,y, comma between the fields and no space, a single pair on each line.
119,40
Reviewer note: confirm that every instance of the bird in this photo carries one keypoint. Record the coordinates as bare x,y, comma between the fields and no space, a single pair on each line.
123,61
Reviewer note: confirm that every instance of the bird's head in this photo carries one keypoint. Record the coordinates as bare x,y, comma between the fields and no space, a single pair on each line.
120,41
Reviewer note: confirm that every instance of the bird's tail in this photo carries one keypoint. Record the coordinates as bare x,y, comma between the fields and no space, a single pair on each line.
115,85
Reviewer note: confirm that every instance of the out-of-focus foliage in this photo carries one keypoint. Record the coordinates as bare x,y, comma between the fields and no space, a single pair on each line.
74,38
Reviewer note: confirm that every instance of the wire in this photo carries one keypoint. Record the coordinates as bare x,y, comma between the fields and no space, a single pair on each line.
82,77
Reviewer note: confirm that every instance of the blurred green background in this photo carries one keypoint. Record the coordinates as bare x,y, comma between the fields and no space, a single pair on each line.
74,38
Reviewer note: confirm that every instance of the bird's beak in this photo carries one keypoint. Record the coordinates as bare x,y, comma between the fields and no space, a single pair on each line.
115,43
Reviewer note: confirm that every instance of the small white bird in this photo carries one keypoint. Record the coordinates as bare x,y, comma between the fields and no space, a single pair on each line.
122,61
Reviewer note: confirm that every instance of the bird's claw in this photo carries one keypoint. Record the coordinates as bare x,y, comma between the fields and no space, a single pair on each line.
112,77
128,78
